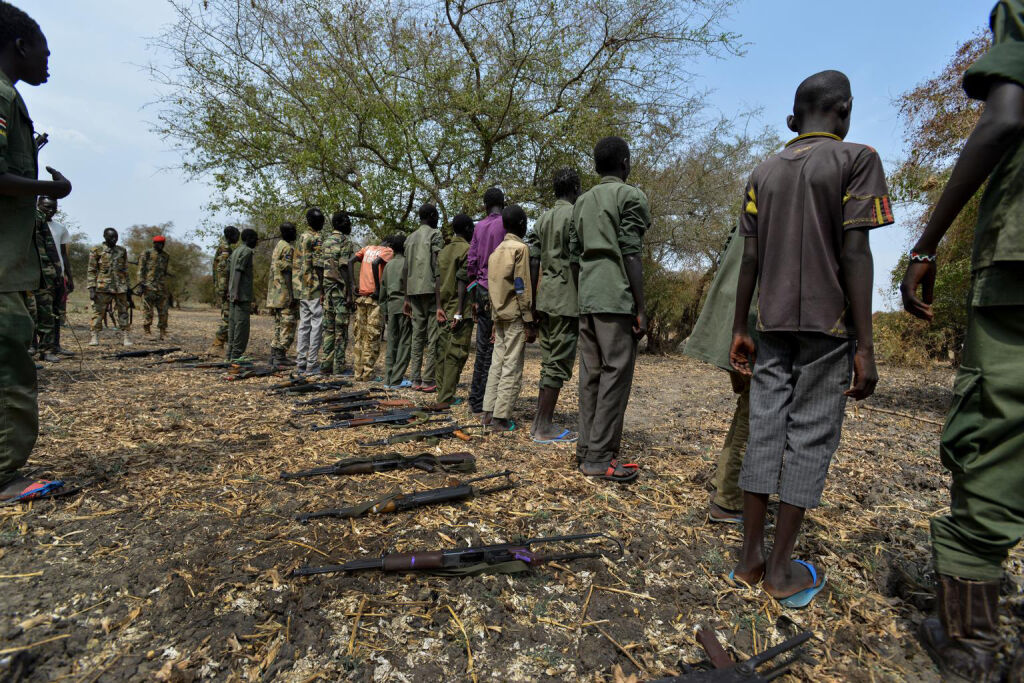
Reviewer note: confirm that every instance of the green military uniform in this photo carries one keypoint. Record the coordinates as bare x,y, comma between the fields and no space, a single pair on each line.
156,297
399,328
709,342
983,439
19,274
608,224
420,248
280,300
335,254
239,293
557,298
221,277
108,275
50,264
452,344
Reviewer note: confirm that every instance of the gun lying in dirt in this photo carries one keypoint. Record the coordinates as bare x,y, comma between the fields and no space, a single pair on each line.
727,671
343,408
220,364
171,361
250,372
452,462
404,437
398,501
302,385
398,416
504,558
142,353
337,398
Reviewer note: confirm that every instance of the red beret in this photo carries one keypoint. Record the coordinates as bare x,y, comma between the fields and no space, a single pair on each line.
159,238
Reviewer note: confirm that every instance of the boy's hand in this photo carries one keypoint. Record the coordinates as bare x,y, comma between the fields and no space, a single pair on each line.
742,354
63,184
865,375
640,326
92,294
919,275
441,317
531,333
407,309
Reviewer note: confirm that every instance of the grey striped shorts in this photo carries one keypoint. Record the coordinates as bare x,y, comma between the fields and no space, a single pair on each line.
796,414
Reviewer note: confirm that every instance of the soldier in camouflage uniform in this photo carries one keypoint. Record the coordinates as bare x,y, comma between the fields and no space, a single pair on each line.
153,283
220,284
43,309
280,298
307,284
108,281
335,254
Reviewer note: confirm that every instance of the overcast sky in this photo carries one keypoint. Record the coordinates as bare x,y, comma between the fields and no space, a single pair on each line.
95,104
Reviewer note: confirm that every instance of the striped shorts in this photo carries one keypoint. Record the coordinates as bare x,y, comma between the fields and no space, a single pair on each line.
796,414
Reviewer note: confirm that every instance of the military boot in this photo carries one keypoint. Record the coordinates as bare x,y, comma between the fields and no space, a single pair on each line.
275,357
964,639
94,340
162,335
146,330
125,341
216,348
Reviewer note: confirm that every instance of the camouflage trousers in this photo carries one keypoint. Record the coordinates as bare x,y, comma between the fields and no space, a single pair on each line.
332,353
159,301
19,412
99,306
41,307
285,321
225,314
369,324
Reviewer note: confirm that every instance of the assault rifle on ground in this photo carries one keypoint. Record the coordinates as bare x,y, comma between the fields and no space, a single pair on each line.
404,437
728,671
141,353
343,408
171,361
398,501
220,364
398,416
248,372
504,558
453,462
336,398
302,385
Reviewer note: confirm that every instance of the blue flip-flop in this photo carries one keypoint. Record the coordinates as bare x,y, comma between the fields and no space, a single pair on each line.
740,582
561,438
803,598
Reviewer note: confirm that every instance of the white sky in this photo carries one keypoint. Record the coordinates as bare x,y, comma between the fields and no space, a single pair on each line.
95,104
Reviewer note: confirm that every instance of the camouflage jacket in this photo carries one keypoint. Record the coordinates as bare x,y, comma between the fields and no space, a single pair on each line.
279,280
108,269
49,257
334,255
220,267
305,283
153,269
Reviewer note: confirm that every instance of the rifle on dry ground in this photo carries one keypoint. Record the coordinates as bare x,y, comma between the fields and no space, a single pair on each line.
337,408
398,416
170,361
451,430
242,372
390,462
336,398
301,385
141,353
727,671
398,501
220,364
503,558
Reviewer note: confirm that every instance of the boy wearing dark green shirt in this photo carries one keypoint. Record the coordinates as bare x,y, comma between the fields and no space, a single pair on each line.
422,298
240,294
982,443
605,238
455,332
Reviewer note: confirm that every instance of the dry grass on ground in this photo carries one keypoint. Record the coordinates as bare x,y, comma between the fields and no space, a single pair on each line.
174,563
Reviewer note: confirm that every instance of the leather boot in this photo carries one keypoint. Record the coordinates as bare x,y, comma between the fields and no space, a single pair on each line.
964,639
274,357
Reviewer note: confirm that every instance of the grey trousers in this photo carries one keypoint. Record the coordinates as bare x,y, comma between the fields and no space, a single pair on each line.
311,333
796,414
607,357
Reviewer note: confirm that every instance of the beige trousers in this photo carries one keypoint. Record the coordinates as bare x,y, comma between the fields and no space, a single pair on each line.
505,378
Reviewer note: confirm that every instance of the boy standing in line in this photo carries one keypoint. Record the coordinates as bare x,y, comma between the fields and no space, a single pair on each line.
605,239
280,298
308,284
508,285
456,332
398,326
806,218
368,323
422,298
557,305
487,235
982,443
221,280
240,294
335,254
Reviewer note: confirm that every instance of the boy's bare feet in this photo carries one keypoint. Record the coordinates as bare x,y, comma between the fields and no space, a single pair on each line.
750,575
782,584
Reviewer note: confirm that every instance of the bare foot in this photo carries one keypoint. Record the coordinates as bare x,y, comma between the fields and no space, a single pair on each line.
784,584
748,575
548,431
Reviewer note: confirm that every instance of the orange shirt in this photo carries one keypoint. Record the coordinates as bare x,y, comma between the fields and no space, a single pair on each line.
367,255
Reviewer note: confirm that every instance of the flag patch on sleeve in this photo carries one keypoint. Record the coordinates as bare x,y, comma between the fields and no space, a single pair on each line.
3,125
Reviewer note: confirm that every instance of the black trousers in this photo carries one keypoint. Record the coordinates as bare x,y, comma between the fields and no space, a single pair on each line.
484,348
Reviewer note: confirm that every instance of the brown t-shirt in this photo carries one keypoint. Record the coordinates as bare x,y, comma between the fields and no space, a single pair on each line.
798,205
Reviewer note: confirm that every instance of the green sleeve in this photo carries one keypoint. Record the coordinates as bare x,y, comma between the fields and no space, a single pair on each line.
635,218
574,236
533,242
1005,59
436,242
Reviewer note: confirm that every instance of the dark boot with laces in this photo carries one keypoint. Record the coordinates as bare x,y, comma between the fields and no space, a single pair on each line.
964,639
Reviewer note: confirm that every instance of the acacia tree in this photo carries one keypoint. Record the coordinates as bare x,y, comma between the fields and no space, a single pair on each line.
377,105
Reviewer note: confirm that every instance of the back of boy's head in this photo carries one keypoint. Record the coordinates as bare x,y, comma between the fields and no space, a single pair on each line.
340,221
609,155
463,225
566,182
428,215
14,24
248,235
397,243
513,218
825,92
231,233
494,198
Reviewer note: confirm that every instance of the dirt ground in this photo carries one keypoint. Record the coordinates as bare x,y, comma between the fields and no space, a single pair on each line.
174,563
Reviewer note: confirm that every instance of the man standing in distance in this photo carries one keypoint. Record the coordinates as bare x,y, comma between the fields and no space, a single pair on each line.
65,285
487,235
309,289
240,294
23,57
221,278
280,298
108,281
153,283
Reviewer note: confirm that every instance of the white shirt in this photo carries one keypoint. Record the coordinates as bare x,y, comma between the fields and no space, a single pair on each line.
60,236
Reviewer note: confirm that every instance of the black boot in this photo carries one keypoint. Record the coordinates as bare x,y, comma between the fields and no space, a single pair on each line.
275,357
964,639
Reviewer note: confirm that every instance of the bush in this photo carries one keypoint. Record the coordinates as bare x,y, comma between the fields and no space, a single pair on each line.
902,339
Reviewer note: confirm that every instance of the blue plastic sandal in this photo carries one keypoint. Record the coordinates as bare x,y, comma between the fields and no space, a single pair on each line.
567,436
803,598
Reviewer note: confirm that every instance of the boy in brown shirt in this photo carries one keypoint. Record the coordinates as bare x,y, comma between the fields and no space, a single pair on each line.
806,217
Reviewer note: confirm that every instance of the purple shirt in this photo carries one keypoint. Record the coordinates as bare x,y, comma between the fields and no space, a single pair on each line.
487,235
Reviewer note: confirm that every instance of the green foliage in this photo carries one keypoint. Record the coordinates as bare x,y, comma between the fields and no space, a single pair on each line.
189,269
